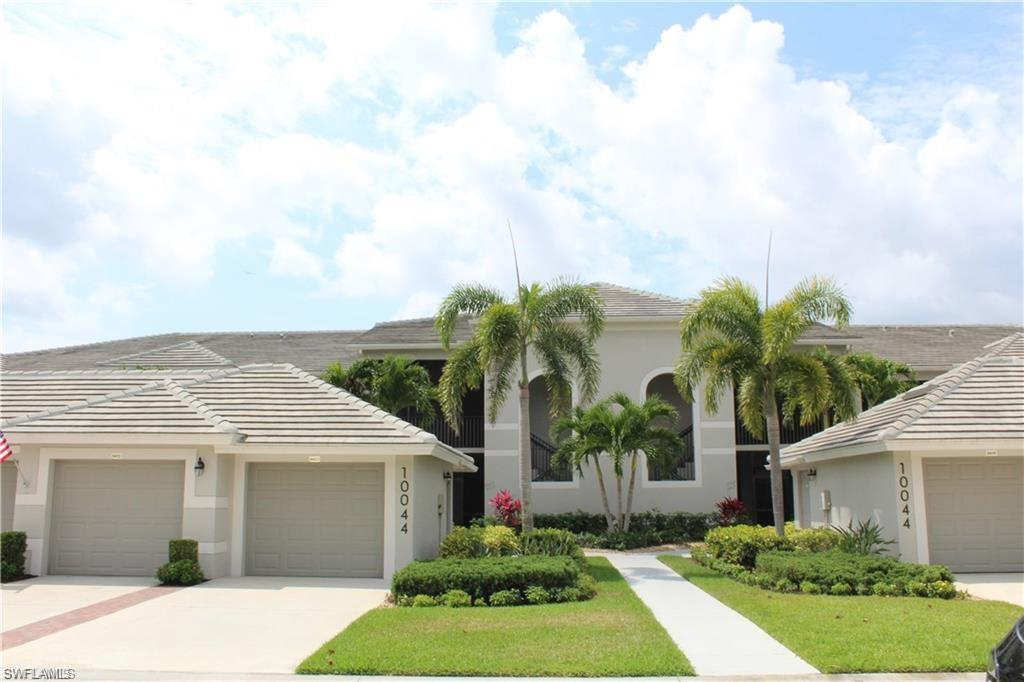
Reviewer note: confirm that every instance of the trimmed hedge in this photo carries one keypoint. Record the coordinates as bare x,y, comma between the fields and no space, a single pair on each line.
484,576
182,572
839,572
13,544
183,549
478,541
653,527
742,544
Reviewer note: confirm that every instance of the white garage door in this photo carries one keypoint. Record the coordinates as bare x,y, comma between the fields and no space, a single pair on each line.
976,513
114,518
315,520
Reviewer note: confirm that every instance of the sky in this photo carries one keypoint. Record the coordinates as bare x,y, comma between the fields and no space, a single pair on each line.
206,167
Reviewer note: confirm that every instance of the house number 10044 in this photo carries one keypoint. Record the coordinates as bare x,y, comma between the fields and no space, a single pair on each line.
403,501
903,487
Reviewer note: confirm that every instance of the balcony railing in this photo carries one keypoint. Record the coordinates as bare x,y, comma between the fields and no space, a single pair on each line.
789,433
682,468
470,435
544,468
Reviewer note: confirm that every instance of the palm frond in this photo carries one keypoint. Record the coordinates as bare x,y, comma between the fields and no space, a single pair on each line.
820,299
750,405
566,297
565,351
464,299
462,372
728,308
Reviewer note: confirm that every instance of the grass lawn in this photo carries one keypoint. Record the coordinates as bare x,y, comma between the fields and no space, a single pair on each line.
613,634
865,634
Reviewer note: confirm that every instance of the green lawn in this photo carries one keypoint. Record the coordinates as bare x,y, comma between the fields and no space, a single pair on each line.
611,635
866,634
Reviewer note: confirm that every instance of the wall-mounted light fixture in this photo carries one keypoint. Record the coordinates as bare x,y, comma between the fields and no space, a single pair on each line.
200,466
447,475
812,474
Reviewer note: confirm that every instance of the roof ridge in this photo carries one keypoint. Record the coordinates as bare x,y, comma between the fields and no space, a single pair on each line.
105,372
1002,344
216,421
188,342
372,410
643,292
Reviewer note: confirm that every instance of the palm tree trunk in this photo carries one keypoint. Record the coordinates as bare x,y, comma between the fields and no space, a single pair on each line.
525,451
632,487
604,495
618,492
771,416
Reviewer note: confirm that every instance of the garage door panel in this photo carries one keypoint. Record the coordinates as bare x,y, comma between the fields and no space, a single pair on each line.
114,518
322,520
975,513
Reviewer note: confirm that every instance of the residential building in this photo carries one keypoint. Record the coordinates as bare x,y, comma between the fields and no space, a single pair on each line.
78,415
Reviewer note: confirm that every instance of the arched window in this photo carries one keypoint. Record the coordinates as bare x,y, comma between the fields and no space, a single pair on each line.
542,441
682,467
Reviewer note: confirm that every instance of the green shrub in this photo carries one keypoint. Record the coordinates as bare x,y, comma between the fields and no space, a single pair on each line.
810,588
862,589
463,543
864,538
457,599
552,542
741,544
12,555
506,598
422,601
941,589
646,528
785,586
917,588
881,589
183,572
182,550
829,568
537,595
841,589
500,541
484,576
811,539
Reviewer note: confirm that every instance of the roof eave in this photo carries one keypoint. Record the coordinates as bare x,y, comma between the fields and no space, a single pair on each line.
120,438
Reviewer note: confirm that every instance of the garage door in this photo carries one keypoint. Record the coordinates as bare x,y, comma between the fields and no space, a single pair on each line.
975,513
114,518
315,520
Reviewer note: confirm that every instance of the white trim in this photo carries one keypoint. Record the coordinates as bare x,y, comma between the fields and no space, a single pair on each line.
500,426
500,453
213,547
717,425
921,509
556,485
209,502
718,451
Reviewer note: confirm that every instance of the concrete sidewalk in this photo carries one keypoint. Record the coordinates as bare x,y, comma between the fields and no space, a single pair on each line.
716,639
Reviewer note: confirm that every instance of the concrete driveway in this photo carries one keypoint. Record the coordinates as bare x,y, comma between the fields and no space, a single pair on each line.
999,586
226,625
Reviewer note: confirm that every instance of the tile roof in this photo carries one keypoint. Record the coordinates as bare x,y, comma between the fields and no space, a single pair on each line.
310,350
186,354
620,301
419,332
266,403
928,346
980,399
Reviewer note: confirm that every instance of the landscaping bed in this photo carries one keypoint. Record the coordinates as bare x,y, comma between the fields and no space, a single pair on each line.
839,634
613,634
646,529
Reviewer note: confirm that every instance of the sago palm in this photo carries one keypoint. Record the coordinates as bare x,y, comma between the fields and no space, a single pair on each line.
541,320
622,431
728,338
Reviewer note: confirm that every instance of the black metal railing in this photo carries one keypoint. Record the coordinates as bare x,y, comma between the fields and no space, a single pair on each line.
788,432
470,434
545,469
681,468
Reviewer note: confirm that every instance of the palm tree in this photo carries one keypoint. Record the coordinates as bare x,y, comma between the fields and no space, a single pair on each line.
505,333
393,383
879,379
728,338
622,430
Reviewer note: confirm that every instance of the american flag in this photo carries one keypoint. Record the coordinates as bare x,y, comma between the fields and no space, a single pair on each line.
5,448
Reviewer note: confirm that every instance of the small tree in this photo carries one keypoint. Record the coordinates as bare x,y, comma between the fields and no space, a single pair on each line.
728,338
879,379
622,430
392,383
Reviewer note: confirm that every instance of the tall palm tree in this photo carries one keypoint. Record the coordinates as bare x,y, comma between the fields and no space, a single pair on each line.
537,320
393,383
729,338
622,430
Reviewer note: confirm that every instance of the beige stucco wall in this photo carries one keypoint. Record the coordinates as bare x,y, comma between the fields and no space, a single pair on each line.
860,488
631,355
431,506
8,491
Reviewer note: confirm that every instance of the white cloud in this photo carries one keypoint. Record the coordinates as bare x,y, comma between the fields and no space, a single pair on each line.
404,141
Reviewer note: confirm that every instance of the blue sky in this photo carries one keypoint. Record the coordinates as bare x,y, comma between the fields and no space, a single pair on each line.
197,168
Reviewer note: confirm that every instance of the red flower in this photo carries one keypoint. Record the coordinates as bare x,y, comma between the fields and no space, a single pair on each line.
507,507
